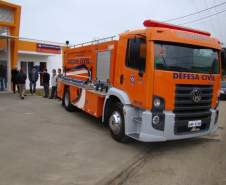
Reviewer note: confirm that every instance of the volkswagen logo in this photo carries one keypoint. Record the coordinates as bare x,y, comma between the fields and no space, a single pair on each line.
196,95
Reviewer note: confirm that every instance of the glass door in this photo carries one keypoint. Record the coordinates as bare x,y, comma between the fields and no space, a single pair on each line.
4,60
41,69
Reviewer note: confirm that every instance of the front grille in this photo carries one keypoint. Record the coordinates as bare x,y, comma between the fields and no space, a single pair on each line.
187,110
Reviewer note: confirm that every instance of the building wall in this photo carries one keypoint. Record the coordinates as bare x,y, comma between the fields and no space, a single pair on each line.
10,21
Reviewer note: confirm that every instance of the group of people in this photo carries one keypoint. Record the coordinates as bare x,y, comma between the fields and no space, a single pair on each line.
19,81
46,80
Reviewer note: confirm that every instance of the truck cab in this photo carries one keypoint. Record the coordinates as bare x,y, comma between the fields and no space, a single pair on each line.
171,76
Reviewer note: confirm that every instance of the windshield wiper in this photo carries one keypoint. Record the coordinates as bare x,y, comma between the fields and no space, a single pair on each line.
179,68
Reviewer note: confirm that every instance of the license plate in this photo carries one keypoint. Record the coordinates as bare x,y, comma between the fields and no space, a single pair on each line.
195,123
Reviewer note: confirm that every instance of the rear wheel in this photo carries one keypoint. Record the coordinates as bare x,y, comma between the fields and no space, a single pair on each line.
116,123
67,102
223,97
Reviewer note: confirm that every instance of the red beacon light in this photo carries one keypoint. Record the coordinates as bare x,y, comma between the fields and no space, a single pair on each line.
151,23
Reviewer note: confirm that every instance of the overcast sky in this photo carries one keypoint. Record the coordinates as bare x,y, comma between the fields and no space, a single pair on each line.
84,20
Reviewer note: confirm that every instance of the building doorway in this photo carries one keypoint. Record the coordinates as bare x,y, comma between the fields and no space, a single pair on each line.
42,67
27,67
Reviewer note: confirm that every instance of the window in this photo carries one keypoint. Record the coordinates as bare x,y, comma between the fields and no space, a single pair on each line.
42,66
186,58
6,15
223,61
30,66
136,54
27,66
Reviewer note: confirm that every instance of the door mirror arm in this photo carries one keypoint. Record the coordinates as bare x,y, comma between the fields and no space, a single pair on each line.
141,73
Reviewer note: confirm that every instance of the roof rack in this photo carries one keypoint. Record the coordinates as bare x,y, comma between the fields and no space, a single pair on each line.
96,41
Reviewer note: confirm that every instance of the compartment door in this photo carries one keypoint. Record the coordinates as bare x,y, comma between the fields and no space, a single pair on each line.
103,65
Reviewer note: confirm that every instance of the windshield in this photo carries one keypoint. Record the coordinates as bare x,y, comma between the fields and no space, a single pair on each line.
185,58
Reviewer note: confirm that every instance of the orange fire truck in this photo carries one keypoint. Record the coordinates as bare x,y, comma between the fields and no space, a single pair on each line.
158,83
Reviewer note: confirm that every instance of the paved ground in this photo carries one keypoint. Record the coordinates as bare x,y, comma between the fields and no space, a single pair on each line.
42,144
191,162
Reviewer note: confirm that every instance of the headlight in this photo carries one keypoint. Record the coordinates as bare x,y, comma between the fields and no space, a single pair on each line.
158,104
158,116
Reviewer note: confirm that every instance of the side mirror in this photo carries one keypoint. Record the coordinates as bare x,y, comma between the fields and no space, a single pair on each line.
136,48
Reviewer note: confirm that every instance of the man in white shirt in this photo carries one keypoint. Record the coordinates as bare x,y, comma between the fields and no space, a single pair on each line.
54,84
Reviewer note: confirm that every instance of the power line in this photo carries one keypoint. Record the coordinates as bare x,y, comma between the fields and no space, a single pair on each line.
188,22
195,13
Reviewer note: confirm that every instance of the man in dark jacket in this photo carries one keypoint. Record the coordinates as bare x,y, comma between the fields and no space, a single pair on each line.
3,77
14,73
45,80
33,78
21,80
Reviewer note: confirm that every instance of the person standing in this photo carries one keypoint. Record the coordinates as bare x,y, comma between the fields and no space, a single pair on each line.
14,73
54,84
21,80
59,75
2,76
33,78
45,80
59,71
5,76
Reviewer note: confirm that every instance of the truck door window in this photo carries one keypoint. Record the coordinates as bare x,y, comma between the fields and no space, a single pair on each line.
136,54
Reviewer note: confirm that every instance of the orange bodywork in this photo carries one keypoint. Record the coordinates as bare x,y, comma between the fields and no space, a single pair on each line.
87,55
140,89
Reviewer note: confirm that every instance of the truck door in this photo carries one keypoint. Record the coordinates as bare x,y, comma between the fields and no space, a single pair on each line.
133,73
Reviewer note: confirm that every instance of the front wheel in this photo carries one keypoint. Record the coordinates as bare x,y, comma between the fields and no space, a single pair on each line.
67,102
116,123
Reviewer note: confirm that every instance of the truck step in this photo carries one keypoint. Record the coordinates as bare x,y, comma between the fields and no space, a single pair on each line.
134,135
137,120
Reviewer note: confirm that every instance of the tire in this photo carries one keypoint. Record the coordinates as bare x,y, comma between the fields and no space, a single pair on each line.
67,102
223,97
116,123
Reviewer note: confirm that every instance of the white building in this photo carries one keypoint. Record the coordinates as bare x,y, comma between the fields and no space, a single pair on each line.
41,56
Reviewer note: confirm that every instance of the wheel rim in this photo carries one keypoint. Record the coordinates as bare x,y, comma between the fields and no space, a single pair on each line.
115,122
66,99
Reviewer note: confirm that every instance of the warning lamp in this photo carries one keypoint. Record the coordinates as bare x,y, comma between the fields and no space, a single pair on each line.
151,23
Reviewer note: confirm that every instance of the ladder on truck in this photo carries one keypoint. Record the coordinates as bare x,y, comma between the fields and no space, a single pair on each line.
95,41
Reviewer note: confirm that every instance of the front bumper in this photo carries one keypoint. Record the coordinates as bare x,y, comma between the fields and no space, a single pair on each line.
143,131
